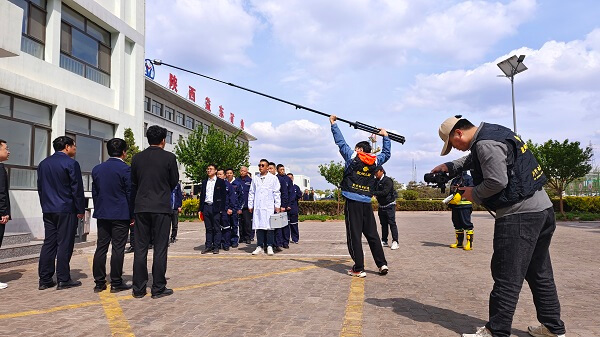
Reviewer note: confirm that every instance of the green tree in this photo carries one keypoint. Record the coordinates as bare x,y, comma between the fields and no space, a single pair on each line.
562,163
333,173
215,147
132,149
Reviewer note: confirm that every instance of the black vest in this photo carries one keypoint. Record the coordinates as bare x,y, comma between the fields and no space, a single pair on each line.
359,178
525,175
390,197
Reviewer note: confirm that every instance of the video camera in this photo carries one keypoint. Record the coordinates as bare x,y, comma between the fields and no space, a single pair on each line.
438,179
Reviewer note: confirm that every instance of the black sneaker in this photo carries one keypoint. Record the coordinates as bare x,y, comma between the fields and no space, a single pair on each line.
278,249
120,287
44,286
286,246
68,284
216,250
173,240
235,245
206,250
129,250
163,293
99,288
226,249
248,242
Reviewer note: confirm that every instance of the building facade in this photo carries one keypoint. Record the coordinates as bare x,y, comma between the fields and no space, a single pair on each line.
69,67
180,116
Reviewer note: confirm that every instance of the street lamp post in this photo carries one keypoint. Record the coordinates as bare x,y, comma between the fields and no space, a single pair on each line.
510,67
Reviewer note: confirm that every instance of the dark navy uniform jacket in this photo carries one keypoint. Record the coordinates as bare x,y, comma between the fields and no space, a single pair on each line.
176,197
297,195
286,189
59,184
238,199
111,190
219,196
4,197
245,183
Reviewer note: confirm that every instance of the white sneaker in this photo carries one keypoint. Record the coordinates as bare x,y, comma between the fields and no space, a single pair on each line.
270,250
257,251
383,270
395,245
3,285
361,274
385,244
481,332
541,331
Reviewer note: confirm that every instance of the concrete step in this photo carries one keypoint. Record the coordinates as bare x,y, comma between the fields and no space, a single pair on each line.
16,238
18,261
20,249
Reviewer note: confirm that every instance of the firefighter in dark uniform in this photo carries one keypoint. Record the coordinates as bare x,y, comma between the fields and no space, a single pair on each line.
228,213
238,204
245,217
284,189
293,213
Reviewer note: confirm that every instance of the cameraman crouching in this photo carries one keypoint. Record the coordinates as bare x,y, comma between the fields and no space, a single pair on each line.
509,180
461,213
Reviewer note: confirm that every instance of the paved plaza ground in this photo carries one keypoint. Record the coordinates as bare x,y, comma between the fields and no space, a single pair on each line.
431,290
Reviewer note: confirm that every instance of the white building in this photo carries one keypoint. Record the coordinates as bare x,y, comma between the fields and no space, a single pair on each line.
71,67
180,116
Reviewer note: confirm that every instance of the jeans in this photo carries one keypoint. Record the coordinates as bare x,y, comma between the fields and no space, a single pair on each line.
263,235
521,243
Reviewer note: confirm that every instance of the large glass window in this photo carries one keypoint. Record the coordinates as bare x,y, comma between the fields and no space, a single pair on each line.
90,136
179,119
146,103
25,126
169,139
169,113
189,122
34,26
157,109
85,47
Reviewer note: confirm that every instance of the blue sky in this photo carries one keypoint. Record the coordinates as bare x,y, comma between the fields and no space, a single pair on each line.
398,64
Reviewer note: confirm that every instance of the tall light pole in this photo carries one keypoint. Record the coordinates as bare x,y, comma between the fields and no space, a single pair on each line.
510,67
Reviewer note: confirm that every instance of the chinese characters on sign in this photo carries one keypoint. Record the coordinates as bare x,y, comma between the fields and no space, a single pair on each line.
207,103
192,94
242,124
231,117
173,82
221,111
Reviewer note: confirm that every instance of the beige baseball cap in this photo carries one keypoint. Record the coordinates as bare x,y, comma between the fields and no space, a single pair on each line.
444,132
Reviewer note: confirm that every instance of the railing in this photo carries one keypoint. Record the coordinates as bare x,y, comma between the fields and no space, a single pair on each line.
84,70
32,47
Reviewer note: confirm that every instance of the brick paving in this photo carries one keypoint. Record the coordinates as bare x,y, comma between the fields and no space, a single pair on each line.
431,290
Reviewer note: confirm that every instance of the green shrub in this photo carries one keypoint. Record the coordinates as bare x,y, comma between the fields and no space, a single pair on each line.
410,195
189,207
323,207
578,204
321,218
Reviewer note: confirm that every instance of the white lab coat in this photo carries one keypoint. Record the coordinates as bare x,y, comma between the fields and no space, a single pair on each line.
263,197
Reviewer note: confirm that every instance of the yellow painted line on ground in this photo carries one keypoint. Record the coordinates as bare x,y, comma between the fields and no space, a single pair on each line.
119,298
117,322
245,257
352,325
46,311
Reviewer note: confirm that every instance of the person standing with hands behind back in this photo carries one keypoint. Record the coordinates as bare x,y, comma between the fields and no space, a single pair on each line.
60,188
509,181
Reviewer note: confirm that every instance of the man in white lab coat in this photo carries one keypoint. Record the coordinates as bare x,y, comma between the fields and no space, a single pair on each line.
264,200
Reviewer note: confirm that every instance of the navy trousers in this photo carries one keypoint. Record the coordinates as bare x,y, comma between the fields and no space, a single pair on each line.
60,230
212,223
294,231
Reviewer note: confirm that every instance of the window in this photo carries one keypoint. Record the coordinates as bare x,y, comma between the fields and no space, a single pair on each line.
179,119
147,103
189,122
198,125
205,129
157,109
90,136
169,139
169,113
85,47
25,125
34,26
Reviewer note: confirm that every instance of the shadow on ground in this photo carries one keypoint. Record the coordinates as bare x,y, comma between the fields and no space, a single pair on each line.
451,320
12,275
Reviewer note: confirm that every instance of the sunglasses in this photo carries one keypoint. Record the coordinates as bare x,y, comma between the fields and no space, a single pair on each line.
262,165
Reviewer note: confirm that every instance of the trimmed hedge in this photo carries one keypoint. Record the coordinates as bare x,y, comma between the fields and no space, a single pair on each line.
189,207
578,204
329,207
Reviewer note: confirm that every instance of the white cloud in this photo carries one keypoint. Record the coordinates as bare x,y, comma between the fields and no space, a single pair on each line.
205,33
333,34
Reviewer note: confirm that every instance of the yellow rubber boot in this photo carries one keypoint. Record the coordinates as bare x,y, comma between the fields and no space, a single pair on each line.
469,244
460,236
